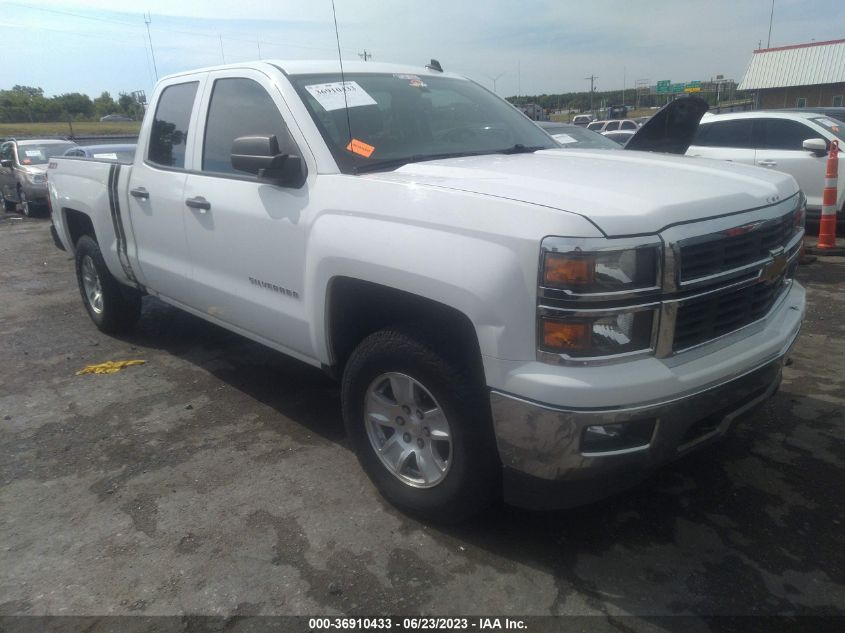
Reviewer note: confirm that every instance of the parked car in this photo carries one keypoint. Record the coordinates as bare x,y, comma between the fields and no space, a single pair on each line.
123,153
115,117
505,316
833,112
576,137
792,142
620,137
581,120
613,125
23,167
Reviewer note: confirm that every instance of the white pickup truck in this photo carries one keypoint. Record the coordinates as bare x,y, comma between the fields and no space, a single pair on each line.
507,317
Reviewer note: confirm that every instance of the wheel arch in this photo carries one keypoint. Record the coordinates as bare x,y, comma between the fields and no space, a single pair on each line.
356,308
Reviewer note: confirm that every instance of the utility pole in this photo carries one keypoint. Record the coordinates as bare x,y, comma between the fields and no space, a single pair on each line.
258,43
624,77
147,20
365,55
222,54
495,79
592,79
771,17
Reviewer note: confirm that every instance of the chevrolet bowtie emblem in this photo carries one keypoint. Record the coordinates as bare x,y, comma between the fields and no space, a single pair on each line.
774,269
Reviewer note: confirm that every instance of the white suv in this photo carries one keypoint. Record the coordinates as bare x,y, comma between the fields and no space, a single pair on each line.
792,142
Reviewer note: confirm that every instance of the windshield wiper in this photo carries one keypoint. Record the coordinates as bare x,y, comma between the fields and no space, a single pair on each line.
519,148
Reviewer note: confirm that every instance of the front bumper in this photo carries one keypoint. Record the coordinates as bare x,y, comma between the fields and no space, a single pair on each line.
540,443
35,193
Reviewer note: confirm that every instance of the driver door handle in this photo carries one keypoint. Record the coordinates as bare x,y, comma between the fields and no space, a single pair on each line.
198,202
139,192
767,163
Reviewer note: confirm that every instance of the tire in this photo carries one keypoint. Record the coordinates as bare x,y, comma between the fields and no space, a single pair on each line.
26,208
113,308
8,205
446,481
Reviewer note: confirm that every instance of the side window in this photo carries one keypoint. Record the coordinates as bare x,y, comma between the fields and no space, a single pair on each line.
784,134
169,134
240,107
629,125
735,133
6,151
701,135
613,125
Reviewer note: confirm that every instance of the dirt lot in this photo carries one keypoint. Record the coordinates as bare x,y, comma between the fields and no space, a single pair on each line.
215,479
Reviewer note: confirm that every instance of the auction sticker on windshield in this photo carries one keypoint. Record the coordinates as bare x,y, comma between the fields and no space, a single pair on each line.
564,138
330,96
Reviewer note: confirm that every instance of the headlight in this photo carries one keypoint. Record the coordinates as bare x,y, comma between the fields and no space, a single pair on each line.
598,298
36,179
583,335
598,272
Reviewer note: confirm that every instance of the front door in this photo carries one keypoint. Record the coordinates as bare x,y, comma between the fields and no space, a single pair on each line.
780,148
247,239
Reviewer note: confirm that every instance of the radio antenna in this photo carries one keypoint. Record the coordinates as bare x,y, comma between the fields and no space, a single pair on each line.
342,76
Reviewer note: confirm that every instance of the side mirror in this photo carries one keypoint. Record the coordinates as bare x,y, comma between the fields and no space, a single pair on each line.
818,146
7,162
260,155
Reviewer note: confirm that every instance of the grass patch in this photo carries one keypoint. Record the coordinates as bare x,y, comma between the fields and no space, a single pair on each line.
80,128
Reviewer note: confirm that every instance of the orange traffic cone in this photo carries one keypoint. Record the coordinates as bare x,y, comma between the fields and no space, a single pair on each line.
827,225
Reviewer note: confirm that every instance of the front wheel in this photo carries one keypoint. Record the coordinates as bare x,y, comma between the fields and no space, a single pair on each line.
420,425
8,205
113,307
26,206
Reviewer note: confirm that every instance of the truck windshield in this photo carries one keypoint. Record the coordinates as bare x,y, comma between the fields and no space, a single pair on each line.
393,119
34,154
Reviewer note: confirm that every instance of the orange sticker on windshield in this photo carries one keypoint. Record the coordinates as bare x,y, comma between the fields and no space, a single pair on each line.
360,147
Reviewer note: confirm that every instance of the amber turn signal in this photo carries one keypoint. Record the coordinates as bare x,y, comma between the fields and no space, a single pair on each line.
567,335
565,270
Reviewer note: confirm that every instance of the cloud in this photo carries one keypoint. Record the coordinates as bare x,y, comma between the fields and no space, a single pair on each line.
546,46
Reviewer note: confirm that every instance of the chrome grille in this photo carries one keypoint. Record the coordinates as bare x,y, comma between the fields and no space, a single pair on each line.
730,277
734,249
714,315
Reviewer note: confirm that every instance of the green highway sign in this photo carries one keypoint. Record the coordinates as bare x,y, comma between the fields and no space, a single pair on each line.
693,86
663,86
677,87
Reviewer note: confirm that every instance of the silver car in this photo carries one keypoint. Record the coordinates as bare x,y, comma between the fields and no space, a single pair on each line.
23,172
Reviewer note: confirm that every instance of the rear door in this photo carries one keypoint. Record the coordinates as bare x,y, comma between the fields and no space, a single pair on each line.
248,244
731,140
156,187
779,147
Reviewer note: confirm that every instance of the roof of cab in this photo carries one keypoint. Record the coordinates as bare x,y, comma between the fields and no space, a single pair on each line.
319,67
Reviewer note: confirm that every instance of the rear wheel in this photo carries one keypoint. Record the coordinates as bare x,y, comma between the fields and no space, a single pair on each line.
112,306
420,425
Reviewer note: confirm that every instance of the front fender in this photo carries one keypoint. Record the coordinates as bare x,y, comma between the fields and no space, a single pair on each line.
491,282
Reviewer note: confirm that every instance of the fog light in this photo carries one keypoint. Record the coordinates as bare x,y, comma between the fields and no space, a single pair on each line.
606,438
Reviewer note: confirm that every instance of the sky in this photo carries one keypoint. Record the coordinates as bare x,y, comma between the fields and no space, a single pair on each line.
545,46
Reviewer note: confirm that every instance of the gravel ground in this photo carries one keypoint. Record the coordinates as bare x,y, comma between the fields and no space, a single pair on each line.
215,479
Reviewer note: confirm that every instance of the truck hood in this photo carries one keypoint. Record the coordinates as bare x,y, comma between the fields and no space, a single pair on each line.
620,192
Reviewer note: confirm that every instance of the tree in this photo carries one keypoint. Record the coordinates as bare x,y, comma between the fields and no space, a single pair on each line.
104,104
76,105
129,106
